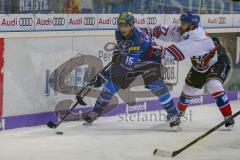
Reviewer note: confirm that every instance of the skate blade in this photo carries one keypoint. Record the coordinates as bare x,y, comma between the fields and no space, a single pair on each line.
87,124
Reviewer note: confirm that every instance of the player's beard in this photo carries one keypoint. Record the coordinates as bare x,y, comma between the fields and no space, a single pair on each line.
181,30
130,34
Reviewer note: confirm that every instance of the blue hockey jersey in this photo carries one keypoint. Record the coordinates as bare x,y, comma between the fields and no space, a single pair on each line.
135,47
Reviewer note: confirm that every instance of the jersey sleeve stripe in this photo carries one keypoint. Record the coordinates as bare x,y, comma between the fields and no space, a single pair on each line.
172,53
175,52
180,52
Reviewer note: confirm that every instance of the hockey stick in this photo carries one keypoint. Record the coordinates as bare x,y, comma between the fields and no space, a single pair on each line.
84,91
162,153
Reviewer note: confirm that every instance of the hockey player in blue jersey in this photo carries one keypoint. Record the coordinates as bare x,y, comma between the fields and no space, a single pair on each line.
134,46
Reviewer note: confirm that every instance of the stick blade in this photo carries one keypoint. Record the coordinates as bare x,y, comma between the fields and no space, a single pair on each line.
162,153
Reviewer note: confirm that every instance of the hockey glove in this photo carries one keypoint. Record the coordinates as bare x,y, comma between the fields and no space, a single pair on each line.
117,57
97,82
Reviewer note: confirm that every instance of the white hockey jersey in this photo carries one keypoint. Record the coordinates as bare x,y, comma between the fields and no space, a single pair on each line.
194,44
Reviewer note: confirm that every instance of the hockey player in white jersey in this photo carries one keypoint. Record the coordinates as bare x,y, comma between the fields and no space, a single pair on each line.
210,63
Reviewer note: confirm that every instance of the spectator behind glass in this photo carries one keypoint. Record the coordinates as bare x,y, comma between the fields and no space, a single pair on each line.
72,6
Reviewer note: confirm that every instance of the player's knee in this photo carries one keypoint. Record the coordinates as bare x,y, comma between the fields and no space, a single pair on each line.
111,87
108,91
105,95
185,99
189,90
186,95
165,98
214,85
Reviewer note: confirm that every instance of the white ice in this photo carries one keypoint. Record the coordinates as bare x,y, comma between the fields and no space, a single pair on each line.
112,139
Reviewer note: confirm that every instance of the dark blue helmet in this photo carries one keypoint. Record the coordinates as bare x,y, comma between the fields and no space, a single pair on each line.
126,18
190,18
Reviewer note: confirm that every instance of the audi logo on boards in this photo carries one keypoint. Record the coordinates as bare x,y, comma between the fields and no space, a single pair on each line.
89,21
58,21
25,22
151,20
222,20
114,20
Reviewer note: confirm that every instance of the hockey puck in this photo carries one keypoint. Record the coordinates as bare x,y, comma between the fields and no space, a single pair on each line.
60,133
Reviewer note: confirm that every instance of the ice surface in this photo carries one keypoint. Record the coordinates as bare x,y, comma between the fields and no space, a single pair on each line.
111,138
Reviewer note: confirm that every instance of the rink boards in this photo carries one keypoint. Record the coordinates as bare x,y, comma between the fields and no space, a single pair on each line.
40,73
